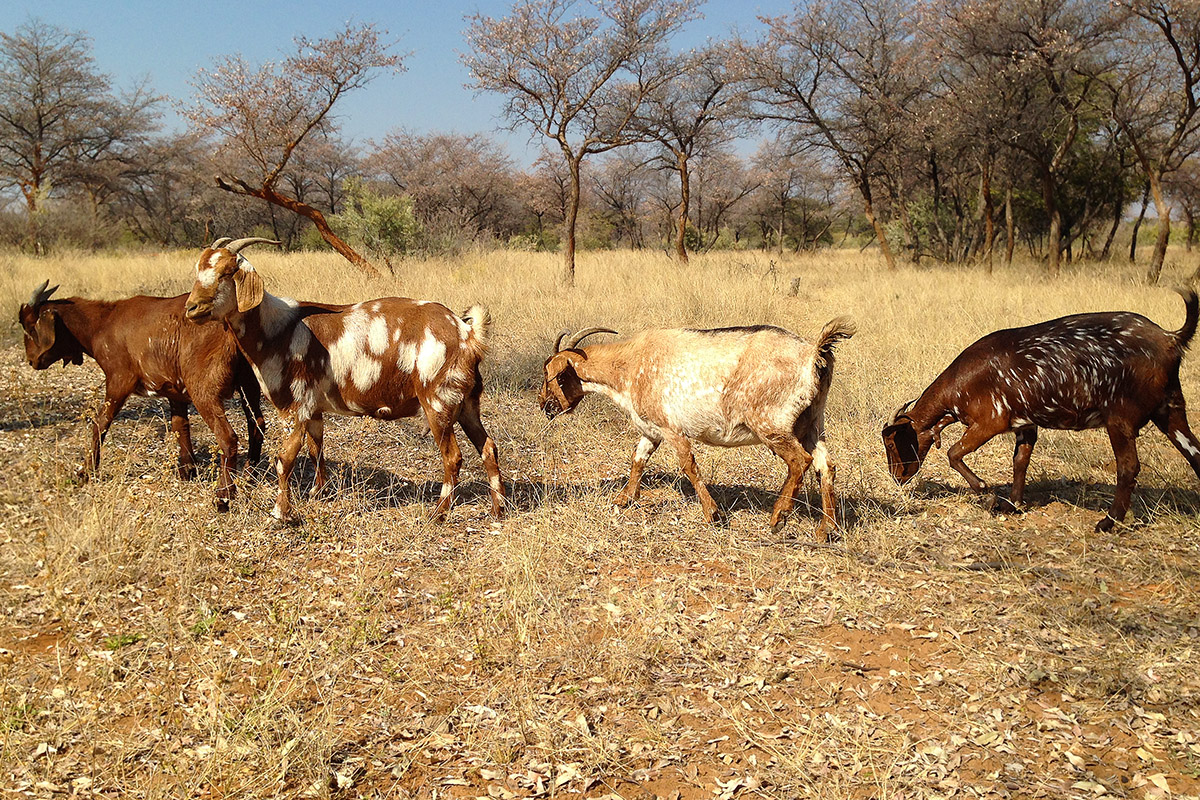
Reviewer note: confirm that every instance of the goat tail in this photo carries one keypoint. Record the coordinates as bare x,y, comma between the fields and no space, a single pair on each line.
1192,303
835,330
479,323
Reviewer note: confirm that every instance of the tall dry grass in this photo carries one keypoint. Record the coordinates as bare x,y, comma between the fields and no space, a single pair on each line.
370,648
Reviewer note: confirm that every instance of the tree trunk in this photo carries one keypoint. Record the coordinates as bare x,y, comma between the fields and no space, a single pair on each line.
308,212
864,188
1137,223
684,200
1154,181
568,274
1190,219
1106,253
1054,245
989,212
1010,228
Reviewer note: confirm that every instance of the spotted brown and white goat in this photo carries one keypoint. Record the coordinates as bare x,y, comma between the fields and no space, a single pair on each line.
727,387
145,346
387,358
1114,370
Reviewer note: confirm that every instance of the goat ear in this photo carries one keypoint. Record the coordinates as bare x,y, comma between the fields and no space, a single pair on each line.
900,442
248,286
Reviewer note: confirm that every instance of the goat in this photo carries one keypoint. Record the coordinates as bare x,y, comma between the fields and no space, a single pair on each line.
727,387
385,358
144,346
1115,370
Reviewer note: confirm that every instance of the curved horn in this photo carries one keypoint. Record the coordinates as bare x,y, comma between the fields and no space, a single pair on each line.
224,240
574,341
899,410
238,244
561,335
41,294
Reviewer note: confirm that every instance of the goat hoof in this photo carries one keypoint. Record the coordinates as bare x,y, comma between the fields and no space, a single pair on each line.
1105,524
283,523
222,506
187,473
1003,506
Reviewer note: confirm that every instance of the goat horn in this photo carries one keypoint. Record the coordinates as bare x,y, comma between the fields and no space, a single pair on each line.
574,341
564,333
899,410
41,294
238,244
224,240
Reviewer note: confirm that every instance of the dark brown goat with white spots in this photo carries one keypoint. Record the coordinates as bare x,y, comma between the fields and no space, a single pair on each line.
385,358
146,347
1114,370
727,387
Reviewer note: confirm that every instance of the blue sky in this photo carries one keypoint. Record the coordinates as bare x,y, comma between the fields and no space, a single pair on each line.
169,41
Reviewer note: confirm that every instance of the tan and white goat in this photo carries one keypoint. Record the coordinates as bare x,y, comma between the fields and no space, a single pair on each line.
385,358
727,387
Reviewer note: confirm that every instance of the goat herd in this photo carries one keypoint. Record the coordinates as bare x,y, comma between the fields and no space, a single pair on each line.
392,357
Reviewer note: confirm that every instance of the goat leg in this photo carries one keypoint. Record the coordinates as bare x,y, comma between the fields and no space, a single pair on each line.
973,438
1173,422
798,460
212,411
443,434
283,468
1022,450
641,454
316,451
182,432
472,425
1124,446
687,462
113,400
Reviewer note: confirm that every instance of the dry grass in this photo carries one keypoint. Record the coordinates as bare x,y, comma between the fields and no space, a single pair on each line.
152,648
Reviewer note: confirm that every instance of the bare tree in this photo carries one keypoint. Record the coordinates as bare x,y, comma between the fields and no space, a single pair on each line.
266,114
688,113
577,80
842,74
60,122
1155,97
458,182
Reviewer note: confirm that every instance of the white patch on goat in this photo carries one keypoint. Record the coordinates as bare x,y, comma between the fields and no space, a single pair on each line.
376,306
207,277
1185,444
304,398
384,410
348,358
377,334
406,357
820,458
430,357
436,404
449,396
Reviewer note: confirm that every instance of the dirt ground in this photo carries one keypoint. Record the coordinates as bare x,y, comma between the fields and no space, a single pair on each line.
152,648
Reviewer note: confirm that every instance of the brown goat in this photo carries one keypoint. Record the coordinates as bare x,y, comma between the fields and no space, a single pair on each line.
727,387
1114,370
145,346
387,358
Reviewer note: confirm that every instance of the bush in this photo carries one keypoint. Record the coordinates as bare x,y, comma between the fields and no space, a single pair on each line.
380,225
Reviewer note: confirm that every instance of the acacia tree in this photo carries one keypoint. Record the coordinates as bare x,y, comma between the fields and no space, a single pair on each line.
60,122
690,112
264,115
577,80
842,75
1155,97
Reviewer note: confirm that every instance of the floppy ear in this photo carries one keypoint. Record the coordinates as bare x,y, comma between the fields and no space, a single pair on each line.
248,288
49,332
900,442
